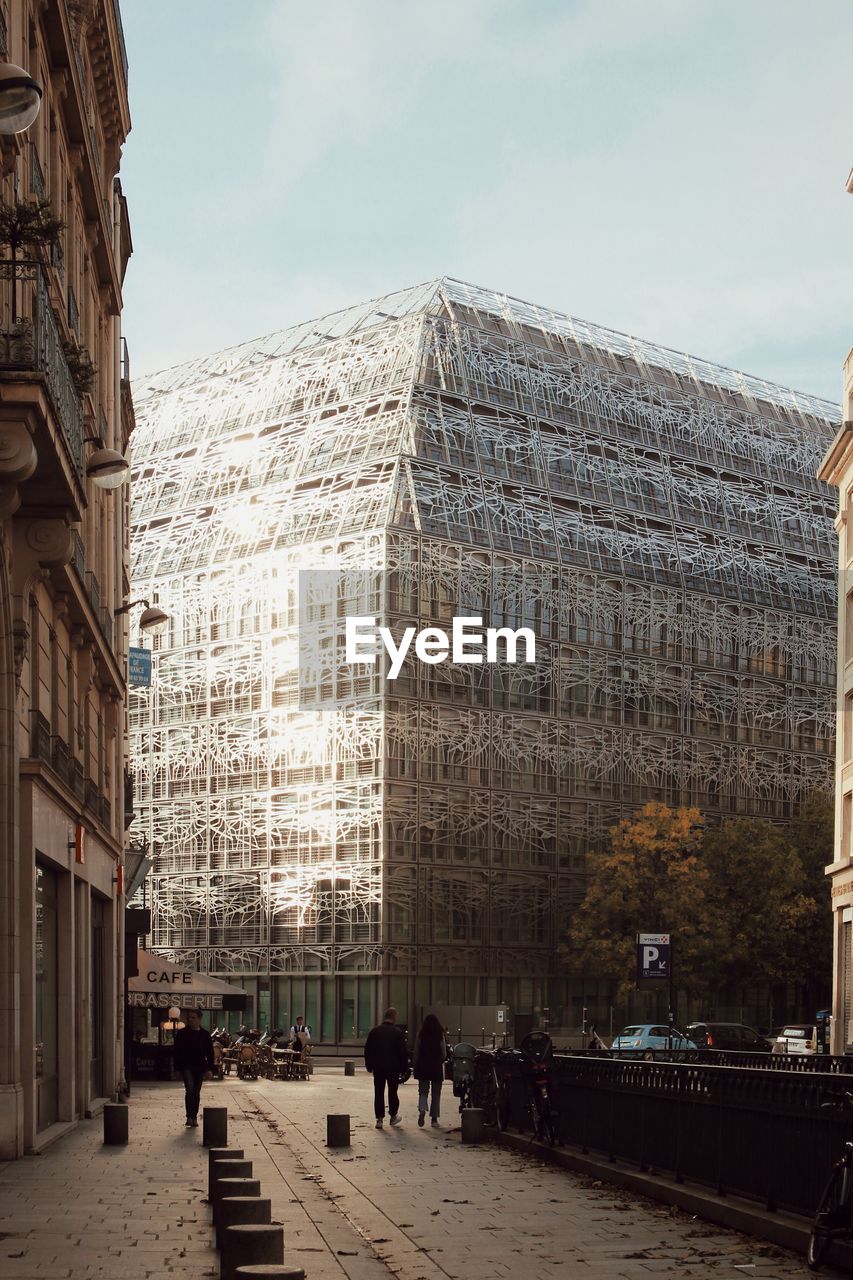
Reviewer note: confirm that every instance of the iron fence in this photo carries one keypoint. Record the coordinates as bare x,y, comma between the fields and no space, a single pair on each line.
30,342
759,1133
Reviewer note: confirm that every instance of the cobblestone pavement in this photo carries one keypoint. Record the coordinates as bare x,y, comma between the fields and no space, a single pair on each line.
406,1202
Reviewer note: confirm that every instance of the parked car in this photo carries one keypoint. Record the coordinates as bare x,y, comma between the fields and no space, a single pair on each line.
796,1037
648,1037
728,1035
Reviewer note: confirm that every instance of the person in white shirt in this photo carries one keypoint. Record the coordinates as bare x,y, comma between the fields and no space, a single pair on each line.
300,1033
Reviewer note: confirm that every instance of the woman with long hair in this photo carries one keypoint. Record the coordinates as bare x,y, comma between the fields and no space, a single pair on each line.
428,1066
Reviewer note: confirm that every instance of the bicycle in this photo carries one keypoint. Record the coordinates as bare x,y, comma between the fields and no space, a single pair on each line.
833,1218
537,1053
492,1075
462,1058
502,1075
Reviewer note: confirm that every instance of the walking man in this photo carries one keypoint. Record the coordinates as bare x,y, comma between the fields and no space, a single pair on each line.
194,1060
386,1056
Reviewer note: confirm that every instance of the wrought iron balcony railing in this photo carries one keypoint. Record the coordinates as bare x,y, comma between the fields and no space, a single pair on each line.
89,582
30,342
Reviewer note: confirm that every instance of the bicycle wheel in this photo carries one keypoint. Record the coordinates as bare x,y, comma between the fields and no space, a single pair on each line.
503,1107
489,1099
549,1126
832,1215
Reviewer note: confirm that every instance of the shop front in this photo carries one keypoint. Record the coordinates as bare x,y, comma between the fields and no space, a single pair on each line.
159,989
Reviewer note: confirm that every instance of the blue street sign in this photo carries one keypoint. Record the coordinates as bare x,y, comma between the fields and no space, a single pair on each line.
653,957
139,668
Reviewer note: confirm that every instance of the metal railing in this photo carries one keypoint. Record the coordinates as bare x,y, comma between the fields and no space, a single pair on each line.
37,182
760,1134
73,311
30,342
40,746
91,586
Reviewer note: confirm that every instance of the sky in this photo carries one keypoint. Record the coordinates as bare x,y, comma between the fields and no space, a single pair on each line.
673,169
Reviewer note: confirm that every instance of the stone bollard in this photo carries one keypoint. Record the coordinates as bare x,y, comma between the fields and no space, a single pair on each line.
219,1153
233,1187
214,1126
228,1169
472,1124
242,1245
240,1209
337,1131
115,1124
349,1068
269,1271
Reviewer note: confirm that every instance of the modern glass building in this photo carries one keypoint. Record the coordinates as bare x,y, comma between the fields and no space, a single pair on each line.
654,519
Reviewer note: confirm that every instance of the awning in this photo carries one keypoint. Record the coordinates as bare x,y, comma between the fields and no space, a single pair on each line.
160,983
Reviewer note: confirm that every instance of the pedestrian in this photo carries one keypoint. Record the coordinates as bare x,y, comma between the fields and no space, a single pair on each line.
596,1041
194,1060
300,1033
428,1062
386,1056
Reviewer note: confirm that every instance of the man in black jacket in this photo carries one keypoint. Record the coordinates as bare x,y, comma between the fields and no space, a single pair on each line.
194,1060
386,1056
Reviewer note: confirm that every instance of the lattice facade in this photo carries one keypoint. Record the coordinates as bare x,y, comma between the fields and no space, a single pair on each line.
656,520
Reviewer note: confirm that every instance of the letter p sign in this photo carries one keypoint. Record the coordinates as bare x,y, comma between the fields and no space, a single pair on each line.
653,957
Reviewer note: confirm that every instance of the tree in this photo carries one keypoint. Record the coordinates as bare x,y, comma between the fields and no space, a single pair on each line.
812,837
28,222
754,902
652,880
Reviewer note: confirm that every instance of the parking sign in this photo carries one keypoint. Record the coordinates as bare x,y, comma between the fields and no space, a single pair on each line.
654,957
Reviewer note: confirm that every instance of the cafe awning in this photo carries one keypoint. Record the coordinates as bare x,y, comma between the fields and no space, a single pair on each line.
160,983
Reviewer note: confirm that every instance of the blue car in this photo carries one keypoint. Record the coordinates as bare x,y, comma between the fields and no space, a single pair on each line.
647,1037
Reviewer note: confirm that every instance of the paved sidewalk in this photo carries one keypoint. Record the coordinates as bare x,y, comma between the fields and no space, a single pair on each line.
407,1202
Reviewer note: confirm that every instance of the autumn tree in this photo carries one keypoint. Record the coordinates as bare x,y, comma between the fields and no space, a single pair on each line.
651,879
812,833
754,902
746,901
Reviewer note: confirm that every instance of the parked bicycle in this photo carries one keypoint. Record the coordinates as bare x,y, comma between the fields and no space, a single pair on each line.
462,1057
833,1219
537,1055
502,1073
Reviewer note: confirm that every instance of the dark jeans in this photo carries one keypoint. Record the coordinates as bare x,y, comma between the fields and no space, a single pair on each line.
380,1079
424,1087
192,1087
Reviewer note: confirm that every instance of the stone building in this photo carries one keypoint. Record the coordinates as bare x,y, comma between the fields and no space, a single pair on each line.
64,403
340,840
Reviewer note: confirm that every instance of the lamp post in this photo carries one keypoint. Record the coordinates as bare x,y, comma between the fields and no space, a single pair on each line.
152,618
20,99
108,468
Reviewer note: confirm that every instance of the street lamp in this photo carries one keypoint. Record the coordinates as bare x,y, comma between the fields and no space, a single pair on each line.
151,619
20,98
108,468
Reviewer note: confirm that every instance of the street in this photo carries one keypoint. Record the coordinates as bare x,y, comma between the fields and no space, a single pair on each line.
406,1202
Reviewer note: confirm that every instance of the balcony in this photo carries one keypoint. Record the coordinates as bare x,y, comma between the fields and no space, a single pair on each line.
30,343
90,584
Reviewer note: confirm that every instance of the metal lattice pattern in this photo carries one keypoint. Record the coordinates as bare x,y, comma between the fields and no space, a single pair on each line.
653,518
